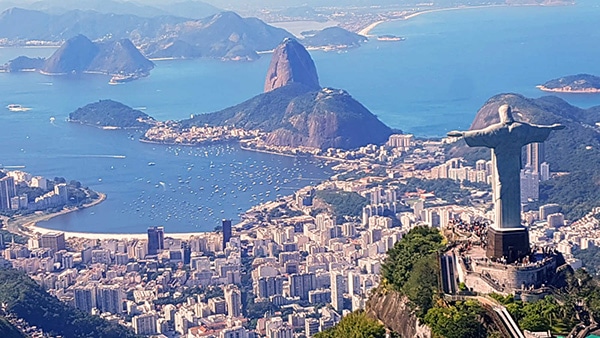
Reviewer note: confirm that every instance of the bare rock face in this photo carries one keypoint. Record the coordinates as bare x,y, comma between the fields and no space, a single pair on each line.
291,63
394,311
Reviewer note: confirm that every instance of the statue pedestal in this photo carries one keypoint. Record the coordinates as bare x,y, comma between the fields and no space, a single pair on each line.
510,243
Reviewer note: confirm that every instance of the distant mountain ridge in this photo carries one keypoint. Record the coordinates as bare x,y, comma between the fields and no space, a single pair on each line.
187,8
79,55
19,25
225,35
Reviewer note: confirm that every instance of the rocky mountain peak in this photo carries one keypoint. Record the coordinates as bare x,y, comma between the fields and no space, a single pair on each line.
291,63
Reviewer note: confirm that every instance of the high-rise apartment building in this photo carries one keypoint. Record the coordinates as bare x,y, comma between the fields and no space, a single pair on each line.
311,327
85,298
300,284
226,224
544,171
269,286
53,240
530,185
62,192
145,324
277,328
156,240
337,291
534,156
109,298
233,301
39,182
7,191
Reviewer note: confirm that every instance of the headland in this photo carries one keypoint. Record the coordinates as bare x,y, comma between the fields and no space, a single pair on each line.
575,84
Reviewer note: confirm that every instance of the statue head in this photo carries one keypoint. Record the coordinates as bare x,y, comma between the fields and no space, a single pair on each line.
505,114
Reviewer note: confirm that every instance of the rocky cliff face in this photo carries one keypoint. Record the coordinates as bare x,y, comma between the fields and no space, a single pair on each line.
291,63
392,309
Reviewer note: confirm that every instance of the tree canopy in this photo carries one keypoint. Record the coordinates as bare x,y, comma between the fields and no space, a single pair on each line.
27,300
412,267
457,321
355,325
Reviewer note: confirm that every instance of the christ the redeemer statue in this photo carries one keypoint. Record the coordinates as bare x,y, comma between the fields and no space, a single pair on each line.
506,139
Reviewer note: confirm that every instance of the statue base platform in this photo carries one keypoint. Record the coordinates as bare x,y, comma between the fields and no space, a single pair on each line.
510,243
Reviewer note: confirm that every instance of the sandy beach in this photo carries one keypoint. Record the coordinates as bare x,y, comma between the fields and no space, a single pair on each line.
367,30
24,225
27,226
91,235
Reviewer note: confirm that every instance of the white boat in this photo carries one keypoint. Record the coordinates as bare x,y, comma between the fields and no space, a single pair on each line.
17,107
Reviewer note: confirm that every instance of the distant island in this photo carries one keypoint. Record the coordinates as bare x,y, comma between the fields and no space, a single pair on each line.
78,55
580,83
109,114
332,38
389,37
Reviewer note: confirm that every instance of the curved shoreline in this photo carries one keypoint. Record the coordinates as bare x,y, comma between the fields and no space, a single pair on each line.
367,30
569,91
27,225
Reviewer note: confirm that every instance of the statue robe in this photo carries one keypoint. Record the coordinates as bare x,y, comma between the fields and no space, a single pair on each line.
506,140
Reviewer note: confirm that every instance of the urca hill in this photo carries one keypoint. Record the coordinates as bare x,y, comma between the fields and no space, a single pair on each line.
295,111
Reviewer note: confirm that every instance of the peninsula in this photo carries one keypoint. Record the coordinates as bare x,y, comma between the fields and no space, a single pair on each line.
580,83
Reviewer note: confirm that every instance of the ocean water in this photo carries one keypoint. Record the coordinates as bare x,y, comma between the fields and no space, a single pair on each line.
449,65
453,61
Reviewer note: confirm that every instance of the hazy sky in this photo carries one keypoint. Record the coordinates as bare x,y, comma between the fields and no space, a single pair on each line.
251,3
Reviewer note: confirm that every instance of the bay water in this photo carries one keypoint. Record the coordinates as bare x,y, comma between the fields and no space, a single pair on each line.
435,81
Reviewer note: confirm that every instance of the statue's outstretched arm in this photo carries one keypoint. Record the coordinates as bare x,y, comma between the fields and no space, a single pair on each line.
456,133
556,126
